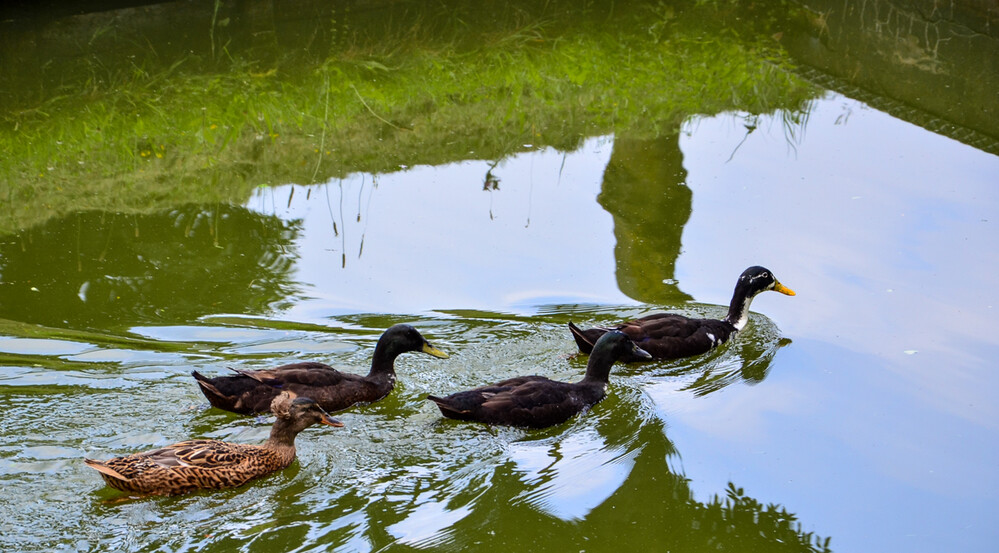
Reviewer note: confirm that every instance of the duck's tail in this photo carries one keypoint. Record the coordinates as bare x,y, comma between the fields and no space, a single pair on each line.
446,408
215,396
100,467
585,338
206,386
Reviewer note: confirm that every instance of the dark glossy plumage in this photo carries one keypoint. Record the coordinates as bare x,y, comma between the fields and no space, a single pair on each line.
670,336
536,401
213,464
252,391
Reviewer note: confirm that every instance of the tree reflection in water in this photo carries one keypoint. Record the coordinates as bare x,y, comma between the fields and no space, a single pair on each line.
600,482
645,190
111,270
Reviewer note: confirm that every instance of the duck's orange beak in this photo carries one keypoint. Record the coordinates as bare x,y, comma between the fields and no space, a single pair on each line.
778,287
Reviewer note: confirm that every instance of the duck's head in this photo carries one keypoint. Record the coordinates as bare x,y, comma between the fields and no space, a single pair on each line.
300,412
617,344
758,279
613,346
402,338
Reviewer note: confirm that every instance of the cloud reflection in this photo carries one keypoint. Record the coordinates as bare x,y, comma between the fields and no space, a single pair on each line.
570,477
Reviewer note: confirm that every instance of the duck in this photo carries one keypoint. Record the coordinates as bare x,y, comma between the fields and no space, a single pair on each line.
213,464
672,336
251,391
537,401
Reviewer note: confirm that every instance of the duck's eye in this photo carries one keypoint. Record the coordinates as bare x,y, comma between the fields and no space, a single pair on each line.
765,274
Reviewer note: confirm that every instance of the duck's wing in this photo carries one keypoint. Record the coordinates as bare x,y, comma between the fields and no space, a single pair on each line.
527,393
531,401
663,335
308,373
186,466
199,453
332,389
251,391
535,403
659,325
238,394
155,464
671,336
470,401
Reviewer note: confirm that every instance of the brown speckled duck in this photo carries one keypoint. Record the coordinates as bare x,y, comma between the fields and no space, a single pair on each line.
252,391
213,464
671,336
539,402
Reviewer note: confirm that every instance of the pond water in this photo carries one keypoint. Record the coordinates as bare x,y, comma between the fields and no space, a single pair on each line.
860,410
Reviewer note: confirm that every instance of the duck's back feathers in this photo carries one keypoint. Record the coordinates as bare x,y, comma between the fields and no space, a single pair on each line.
663,335
238,394
671,336
527,401
251,392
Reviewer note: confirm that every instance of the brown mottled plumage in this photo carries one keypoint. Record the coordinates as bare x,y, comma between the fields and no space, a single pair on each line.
213,464
536,401
671,336
251,391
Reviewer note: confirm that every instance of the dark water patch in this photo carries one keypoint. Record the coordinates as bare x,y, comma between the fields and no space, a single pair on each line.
95,270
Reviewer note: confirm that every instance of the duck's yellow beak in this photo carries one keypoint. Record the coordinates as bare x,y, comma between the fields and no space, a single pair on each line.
431,350
778,287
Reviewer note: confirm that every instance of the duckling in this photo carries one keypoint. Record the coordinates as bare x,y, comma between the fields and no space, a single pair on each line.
212,464
536,401
252,391
671,336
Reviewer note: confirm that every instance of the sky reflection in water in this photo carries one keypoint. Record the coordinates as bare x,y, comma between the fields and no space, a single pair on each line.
434,239
888,235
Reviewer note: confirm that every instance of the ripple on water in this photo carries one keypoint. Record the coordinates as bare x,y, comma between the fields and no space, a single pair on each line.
41,346
398,473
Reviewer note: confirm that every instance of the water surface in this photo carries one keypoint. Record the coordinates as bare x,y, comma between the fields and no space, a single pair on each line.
859,410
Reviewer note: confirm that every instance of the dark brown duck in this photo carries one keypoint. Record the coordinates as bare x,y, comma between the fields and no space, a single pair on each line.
671,336
537,401
252,391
